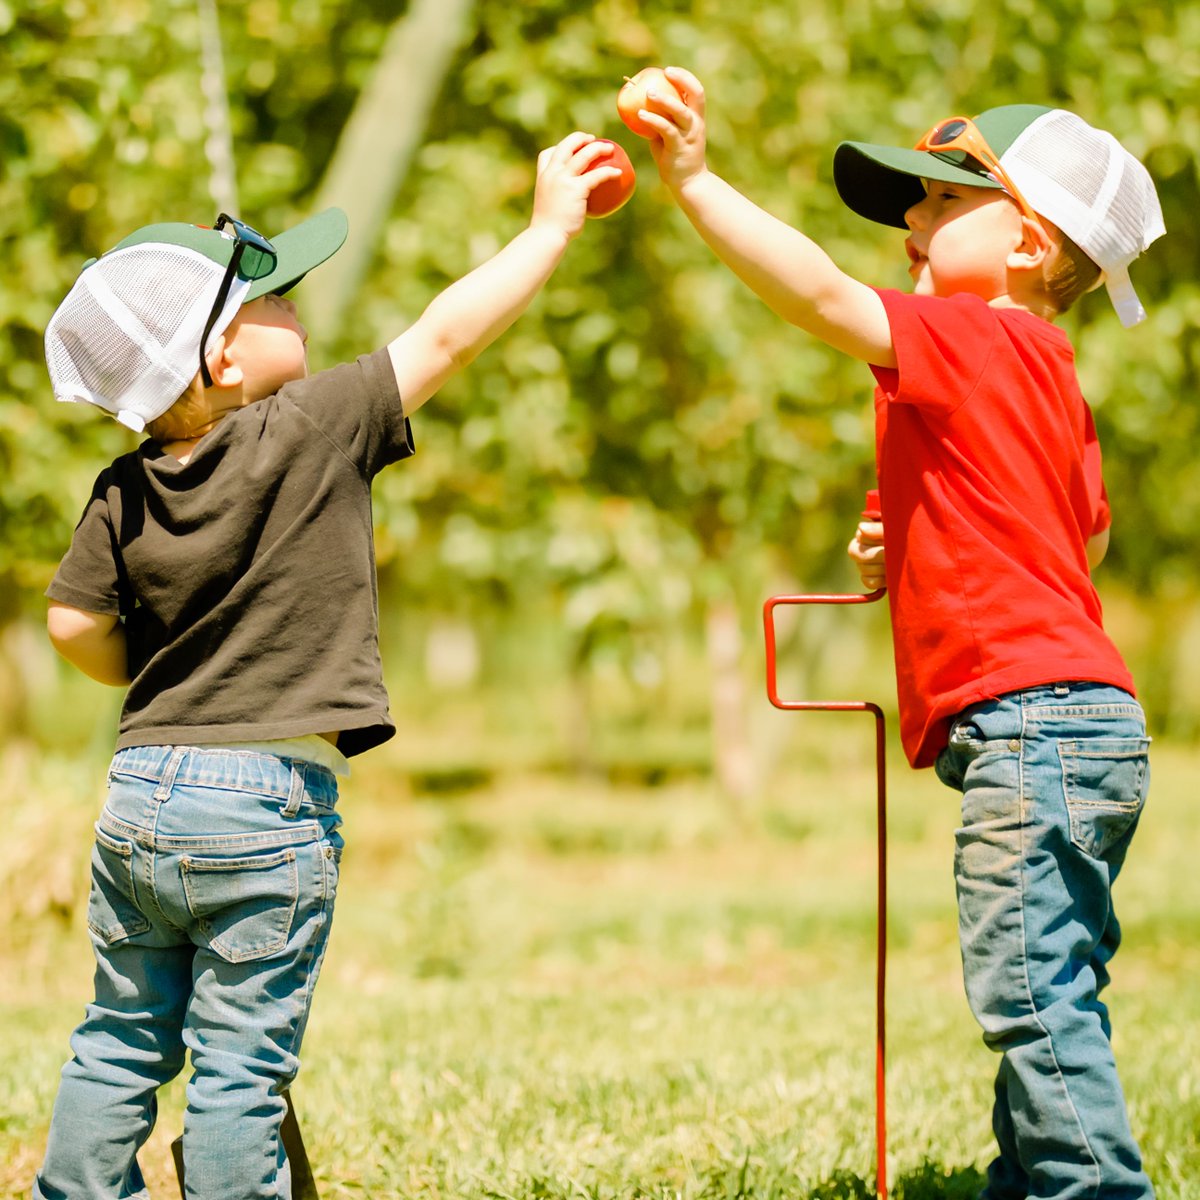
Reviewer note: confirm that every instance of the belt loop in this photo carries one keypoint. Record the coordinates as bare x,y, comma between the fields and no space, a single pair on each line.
163,791
1061,689
296,795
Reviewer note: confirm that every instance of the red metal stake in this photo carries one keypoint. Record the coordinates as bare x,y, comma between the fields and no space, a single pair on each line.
881,824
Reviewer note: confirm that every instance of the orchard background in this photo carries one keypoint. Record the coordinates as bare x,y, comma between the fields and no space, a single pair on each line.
571,570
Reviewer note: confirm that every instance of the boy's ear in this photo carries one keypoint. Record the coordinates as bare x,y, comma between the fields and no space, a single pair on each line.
1035,247
222,367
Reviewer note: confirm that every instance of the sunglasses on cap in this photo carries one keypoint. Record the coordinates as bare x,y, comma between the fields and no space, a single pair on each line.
962,134
253,257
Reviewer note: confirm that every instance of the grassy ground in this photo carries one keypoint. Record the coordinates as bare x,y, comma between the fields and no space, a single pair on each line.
544,987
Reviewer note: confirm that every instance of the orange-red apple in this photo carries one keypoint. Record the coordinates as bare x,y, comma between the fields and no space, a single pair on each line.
607,197
632,97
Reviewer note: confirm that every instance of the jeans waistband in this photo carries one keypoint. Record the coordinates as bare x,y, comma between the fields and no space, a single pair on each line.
243,770
1098,698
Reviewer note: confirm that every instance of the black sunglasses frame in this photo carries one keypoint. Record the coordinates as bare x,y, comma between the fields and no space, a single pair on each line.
246,237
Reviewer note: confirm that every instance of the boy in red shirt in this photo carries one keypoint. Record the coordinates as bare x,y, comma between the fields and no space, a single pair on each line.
989,475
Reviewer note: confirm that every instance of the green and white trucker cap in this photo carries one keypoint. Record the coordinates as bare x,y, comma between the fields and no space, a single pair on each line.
1080,178
127,336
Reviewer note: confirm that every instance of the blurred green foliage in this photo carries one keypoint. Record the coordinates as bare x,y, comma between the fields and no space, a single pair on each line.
649,438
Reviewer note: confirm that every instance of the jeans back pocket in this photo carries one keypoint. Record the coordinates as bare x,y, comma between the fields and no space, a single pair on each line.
1105,781
112,911
243,906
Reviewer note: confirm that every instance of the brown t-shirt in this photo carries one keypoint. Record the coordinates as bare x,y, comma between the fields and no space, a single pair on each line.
245,577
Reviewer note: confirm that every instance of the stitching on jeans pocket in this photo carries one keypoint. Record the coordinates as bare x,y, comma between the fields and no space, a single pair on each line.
112,911
1104,782
244,906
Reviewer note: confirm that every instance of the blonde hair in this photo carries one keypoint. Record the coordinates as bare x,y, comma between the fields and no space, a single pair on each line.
1069,274
189,412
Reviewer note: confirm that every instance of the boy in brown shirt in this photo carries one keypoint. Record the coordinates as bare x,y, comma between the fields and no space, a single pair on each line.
224,574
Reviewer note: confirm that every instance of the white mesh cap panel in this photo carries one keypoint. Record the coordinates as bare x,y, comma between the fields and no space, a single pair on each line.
89,354
127,336
1095,191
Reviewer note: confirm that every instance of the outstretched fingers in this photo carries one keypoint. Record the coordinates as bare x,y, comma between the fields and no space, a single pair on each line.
585,159
681,105
573,142
690,89
676,115
562,151
575,155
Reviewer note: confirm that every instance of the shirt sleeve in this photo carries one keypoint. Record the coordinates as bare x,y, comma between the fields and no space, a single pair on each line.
358,408
942,345
90,576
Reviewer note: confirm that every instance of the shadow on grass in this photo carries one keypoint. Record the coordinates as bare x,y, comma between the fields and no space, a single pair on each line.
929,1181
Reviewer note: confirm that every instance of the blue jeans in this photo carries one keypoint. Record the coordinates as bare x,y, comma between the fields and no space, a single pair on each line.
1053,780
213,882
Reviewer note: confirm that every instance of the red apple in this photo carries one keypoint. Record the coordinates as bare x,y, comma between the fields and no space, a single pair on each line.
607,197
632,96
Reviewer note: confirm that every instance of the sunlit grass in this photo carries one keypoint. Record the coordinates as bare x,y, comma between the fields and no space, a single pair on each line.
555,987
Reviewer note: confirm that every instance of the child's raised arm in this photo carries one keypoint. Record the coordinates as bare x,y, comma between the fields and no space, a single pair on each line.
470,314
786,269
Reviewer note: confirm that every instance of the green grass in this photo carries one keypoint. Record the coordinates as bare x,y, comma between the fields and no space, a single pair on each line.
545,987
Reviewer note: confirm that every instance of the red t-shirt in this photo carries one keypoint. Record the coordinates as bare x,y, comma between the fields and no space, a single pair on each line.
989,476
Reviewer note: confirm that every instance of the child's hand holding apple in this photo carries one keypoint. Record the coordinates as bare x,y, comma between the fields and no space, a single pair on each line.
607,197
666,105
568,175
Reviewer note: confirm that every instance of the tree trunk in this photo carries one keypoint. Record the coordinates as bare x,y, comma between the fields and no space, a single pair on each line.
733,750
379,141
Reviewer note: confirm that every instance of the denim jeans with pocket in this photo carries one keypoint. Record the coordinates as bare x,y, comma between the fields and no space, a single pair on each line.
1053,780
214,875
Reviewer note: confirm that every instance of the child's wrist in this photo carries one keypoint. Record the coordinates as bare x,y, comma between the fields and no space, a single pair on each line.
547,229
690,185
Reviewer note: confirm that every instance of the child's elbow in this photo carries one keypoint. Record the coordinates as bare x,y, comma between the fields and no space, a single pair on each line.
1097,548
62,627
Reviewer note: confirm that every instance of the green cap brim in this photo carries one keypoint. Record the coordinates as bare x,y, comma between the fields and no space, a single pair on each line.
297,250
882,183
301,248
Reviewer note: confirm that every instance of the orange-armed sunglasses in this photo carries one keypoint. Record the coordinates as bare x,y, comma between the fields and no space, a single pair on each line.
961,133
